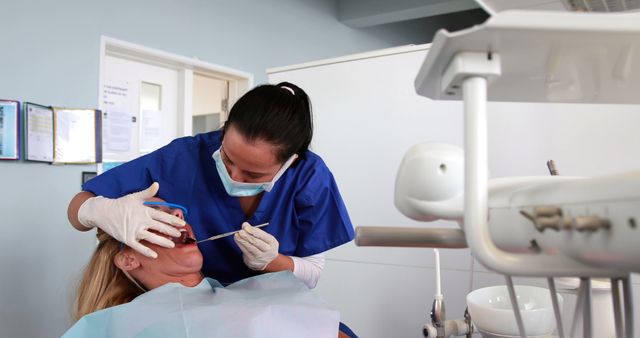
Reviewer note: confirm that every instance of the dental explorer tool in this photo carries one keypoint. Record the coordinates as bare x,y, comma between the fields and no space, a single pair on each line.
226,234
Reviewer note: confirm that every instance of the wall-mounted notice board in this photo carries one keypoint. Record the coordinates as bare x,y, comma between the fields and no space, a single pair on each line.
77,135
9,130
38,132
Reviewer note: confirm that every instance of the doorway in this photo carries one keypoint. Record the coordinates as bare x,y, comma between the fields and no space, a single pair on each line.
149,97
210,103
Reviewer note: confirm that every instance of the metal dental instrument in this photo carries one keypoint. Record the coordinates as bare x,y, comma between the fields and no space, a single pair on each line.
226,234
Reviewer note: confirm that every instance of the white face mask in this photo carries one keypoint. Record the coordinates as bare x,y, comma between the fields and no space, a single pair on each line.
243,189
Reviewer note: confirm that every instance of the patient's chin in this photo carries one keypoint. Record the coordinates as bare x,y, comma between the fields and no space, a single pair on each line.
192,262
180,259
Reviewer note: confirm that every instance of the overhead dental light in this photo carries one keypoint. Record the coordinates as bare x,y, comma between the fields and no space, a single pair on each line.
430,182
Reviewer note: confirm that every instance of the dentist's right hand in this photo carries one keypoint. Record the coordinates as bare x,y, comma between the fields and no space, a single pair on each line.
129,221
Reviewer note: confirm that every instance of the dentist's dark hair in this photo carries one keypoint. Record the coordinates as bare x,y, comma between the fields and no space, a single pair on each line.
278,114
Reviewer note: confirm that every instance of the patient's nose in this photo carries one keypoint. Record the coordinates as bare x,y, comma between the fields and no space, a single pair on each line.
178,213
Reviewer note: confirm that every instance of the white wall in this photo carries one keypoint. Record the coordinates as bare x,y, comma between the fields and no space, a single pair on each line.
367,115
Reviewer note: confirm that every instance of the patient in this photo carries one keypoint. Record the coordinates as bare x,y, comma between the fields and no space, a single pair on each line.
181,302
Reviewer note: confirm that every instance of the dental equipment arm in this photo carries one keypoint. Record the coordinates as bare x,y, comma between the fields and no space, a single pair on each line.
555,74
410,237
584,228
423,238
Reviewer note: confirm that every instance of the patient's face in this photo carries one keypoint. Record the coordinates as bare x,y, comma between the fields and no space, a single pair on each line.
182,259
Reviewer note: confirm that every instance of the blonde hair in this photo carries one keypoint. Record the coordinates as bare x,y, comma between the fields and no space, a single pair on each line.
103,284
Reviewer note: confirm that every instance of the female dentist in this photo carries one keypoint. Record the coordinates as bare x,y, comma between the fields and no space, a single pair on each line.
256,169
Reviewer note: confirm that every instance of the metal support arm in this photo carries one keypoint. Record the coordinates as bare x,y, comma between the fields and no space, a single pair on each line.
410,237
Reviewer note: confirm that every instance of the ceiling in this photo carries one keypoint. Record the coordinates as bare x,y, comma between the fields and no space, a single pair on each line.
369,13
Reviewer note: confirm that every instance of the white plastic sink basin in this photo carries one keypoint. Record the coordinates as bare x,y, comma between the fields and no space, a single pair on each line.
491,311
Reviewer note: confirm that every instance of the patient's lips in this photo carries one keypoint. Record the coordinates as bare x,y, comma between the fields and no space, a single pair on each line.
185,237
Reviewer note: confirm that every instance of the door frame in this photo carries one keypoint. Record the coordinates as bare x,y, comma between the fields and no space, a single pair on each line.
239,82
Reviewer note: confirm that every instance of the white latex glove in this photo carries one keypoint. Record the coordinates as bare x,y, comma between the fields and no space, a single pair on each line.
308,269
129,221
258,247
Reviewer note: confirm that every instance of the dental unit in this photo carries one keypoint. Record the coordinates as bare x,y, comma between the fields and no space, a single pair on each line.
543,226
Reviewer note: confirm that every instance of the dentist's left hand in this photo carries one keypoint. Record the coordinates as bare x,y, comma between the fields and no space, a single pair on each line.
128,220
259,248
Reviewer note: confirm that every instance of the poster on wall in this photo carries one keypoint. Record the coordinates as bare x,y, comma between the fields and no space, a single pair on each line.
119,120
151,137
39,132
9,130
77,135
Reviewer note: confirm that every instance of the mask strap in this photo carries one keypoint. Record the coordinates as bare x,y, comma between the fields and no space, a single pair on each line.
284,167
134,281
268,186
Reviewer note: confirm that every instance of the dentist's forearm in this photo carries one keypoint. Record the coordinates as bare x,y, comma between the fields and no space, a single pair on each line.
280,263
307,269
74,206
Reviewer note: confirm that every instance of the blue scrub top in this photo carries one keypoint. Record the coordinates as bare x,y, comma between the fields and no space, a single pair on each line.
305,211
